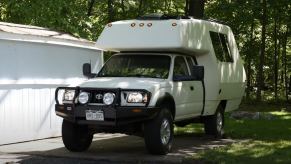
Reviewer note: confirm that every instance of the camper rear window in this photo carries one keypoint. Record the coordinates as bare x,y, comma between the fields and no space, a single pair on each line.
151,66
221,46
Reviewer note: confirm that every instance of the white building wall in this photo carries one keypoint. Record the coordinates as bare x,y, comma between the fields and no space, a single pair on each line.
29,74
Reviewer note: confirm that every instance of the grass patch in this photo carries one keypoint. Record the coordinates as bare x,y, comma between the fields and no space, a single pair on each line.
263,106
254,151
262,129
189,129
269,141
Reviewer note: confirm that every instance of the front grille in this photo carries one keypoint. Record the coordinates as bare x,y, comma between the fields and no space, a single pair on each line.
96,95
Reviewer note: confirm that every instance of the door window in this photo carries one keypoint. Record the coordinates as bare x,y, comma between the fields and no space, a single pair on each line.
190,64
180,68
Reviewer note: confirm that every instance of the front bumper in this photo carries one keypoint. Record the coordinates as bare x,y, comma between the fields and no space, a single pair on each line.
113,116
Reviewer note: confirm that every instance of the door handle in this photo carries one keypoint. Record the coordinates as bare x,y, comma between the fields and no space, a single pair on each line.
191,88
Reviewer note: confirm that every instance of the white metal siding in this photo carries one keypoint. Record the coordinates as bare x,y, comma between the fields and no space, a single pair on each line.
29,74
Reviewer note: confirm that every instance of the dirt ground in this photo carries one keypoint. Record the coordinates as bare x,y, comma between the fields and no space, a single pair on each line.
108,148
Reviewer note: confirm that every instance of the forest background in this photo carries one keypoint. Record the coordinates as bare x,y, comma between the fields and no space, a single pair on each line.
261,28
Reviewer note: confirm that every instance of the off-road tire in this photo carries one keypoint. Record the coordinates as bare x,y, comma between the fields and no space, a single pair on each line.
214,124
76,138
153,133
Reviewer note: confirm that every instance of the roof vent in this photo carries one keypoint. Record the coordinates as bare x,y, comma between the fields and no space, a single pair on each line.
159,16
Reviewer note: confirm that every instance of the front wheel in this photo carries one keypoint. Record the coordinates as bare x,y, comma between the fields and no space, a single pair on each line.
76,138
214,125
159,133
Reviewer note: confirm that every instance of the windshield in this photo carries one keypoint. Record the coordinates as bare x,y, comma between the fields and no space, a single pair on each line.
152,66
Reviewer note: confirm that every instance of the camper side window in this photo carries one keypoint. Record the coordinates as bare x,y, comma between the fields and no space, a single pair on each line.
225,46
221,46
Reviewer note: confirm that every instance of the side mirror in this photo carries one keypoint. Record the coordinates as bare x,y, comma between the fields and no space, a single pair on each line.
197,73
87,70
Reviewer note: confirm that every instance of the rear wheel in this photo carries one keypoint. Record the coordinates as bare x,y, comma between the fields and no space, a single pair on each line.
76,137
214,125
159,133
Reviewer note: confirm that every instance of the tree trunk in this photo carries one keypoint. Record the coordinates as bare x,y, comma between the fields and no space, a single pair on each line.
279,58
275,62
260,77
110,11
90,7
187,8
140,8
196,8
285,39
249,64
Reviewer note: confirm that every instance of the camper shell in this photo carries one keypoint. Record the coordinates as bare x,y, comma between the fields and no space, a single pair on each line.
224,80
202,77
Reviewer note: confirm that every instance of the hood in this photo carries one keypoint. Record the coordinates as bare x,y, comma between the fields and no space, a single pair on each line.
124,83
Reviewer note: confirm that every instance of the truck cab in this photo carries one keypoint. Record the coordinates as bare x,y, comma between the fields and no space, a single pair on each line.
152,83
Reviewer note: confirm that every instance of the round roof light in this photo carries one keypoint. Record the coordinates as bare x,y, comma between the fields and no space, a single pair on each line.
174,24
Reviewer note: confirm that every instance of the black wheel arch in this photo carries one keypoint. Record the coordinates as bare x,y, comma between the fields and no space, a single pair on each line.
167,100
222,104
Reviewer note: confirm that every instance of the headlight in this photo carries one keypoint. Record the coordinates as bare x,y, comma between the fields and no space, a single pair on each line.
108,98
69,95
134,97
137,97
83,97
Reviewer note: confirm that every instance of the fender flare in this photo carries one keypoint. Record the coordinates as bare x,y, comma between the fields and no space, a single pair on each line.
166,99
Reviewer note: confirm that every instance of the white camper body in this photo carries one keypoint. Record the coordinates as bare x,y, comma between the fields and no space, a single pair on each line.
166,71
223,80
33,62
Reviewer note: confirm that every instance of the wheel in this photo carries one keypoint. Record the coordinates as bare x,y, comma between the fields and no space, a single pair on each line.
214,125
158,133
76,138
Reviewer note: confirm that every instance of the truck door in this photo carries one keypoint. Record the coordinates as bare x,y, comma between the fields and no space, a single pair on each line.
196,95
188,94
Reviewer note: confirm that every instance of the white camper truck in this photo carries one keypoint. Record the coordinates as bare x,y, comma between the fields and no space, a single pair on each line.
33,62
167,71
